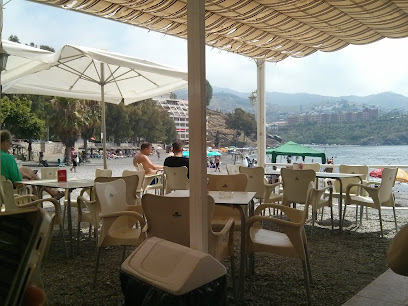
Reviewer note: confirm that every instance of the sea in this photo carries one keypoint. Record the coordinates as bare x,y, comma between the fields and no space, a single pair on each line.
367,155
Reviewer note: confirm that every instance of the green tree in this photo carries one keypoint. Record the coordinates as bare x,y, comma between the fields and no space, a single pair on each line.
18,118
14,38
117,123
66,119
209,92
241,122
91,121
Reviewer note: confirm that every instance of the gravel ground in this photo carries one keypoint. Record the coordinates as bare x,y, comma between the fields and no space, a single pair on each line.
342,264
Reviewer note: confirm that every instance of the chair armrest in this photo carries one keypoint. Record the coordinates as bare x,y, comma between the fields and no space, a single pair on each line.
279,222
57,207
30,197
274,185
86,189
135,208
229,226
132,214
365,187
293,214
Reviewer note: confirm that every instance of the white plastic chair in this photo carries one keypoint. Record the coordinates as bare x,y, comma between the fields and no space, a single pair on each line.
176,178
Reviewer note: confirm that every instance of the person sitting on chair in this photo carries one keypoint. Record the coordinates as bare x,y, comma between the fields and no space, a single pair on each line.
10,170
142,158
177,160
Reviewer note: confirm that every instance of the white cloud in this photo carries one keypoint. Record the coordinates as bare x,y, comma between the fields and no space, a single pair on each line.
354,70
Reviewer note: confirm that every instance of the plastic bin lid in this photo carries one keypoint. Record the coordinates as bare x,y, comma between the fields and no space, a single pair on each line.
172,267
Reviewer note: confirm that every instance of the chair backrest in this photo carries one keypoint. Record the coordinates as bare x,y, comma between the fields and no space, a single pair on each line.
139,173
353,169
131,183
387,182
296,184
169,217
233,169
176,178
139,166
48,173
103,172
225,182
256,180
313,166
7,195
111,196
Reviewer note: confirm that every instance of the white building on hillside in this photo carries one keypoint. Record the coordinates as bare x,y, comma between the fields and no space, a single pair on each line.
178,111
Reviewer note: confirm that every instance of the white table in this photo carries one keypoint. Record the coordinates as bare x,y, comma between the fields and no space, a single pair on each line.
330,175
69,186
235,199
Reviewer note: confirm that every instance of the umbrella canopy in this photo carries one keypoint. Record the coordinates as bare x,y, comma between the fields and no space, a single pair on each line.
209,154
293,149
213,153
93,74
402,176
75,72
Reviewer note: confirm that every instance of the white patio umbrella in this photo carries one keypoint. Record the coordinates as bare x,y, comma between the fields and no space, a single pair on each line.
93,74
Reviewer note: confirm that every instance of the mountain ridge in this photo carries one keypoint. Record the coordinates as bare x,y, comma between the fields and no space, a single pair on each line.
226,100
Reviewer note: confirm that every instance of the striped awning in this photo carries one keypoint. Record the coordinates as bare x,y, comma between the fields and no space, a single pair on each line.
271,30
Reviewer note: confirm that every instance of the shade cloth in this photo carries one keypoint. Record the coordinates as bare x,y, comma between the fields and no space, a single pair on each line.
293,149
264,29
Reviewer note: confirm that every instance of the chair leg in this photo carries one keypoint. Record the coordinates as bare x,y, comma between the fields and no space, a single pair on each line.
379,215
366,213
90,231
331,217
321,215
96,234
98,255
124,253
307,287
395,219
234,287
63,216
63,240
361,214
309,270
78,235
313,221
356,214
344,215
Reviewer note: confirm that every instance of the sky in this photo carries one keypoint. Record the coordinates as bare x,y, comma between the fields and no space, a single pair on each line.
354,70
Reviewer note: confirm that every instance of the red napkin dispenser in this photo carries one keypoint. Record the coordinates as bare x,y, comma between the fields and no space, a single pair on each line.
62,175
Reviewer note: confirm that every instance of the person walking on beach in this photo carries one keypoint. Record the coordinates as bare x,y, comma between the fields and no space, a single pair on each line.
142,158
217,164
73,160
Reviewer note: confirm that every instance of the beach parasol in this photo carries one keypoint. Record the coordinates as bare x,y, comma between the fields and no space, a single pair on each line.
402,176
213,153
209,154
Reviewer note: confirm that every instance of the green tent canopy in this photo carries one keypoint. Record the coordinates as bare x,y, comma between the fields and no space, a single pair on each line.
293,149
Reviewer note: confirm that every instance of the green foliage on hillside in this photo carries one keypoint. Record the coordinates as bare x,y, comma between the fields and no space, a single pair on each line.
384,131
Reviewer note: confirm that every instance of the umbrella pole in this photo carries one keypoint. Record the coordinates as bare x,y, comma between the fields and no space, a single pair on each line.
103,134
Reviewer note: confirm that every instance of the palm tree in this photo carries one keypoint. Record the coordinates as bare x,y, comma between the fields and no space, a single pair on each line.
67,121
91,121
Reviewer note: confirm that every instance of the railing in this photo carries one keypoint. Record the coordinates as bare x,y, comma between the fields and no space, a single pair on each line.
334,166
